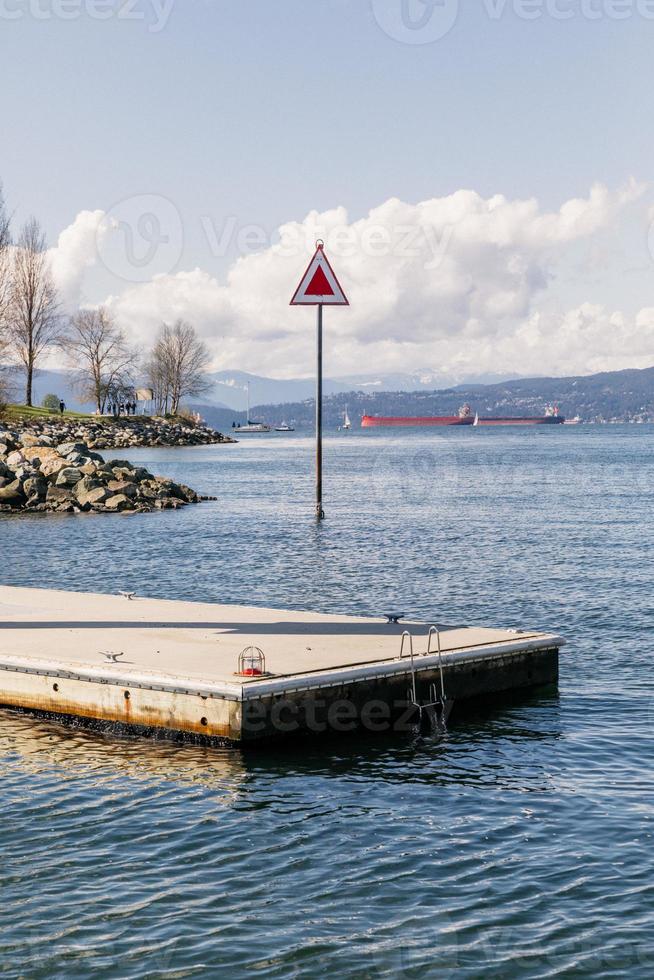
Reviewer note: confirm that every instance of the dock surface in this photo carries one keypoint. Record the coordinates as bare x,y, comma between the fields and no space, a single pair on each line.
187,649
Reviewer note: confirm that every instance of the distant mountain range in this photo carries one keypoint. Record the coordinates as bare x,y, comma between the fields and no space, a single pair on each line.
610,396
229,388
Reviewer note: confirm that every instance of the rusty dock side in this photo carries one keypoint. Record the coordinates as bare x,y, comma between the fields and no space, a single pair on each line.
243,673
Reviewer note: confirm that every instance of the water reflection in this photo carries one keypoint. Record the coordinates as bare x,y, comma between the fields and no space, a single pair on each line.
43,745
78,750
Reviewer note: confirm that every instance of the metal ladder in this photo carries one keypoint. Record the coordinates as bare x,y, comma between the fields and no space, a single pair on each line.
439,708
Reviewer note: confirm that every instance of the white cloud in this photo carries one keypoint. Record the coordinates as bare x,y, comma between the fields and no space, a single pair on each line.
74,253
455,284
583,340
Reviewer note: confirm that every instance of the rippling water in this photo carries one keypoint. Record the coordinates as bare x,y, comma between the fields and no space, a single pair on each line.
518,845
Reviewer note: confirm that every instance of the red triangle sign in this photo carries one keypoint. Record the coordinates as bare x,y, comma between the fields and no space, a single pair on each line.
319,285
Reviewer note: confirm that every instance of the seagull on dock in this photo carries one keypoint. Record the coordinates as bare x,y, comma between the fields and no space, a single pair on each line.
112,657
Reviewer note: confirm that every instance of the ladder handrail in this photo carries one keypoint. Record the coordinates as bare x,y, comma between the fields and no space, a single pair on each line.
442,701
432,630
413,670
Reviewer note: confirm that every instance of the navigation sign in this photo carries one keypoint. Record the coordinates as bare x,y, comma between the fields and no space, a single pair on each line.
319,287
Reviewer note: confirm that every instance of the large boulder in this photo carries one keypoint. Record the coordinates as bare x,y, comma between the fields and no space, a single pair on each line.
29,439
68,448
35,489
190,496
12,494
122,486
118,502
16,458
60,499
52,465
94,498
68,477
86,483
39,452
127,473
139,473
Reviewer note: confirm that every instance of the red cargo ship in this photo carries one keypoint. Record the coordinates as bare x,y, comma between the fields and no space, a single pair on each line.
465,417
551,417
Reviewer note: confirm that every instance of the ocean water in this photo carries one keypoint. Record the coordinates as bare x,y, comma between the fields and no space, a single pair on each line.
519,844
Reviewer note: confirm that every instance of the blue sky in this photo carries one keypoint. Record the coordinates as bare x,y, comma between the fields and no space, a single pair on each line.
263,111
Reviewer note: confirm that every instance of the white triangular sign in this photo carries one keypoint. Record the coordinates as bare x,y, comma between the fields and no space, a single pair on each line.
319,285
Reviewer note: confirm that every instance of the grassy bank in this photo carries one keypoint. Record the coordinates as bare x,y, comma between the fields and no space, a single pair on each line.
17,412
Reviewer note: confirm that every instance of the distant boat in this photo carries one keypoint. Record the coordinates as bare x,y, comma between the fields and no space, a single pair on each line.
250,426
284,427
575,421
346,425
476,422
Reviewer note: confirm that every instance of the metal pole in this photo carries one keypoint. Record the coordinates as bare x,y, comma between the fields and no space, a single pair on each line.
319,511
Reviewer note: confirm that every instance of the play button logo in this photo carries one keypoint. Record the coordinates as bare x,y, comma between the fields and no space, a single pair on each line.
416,21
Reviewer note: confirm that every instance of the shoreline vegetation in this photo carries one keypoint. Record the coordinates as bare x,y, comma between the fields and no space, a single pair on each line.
51,465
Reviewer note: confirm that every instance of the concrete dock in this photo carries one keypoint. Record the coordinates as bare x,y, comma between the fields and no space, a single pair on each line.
159,665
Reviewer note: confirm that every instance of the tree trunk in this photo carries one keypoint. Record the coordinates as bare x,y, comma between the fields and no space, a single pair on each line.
28,386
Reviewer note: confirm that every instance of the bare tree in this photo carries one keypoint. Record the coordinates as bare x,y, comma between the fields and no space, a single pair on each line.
5,293
97,350
177,366
5,266
157,374
34,323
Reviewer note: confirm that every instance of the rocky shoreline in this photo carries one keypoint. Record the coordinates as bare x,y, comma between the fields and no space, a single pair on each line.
121,433
39,474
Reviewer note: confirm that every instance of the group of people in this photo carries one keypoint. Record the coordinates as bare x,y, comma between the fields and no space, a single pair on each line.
121,408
